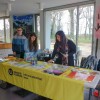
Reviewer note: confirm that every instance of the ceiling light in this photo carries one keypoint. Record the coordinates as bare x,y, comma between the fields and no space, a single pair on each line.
12,0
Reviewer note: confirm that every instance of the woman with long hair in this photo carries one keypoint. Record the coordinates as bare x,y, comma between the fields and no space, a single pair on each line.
33,44
63,50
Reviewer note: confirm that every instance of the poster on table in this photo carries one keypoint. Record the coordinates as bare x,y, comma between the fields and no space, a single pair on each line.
26,22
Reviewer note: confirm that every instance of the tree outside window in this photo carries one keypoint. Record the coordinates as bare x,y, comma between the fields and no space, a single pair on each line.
5,35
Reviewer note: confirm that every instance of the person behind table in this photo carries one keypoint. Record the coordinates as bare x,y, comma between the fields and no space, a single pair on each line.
19,44
63,50
33,44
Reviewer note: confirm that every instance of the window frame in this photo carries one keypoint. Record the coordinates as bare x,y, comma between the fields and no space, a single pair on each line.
77,5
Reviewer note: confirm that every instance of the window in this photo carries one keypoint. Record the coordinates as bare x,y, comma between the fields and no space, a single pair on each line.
76,22
64,19
85,29
5,30
2,39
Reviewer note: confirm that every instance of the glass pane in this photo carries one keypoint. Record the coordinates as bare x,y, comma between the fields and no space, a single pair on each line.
7,27
2,30
70,23
64,19
85,29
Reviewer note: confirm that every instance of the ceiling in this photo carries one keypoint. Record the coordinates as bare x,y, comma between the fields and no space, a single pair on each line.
22,7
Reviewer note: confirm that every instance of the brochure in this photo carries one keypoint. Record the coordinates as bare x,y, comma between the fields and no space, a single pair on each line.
84,75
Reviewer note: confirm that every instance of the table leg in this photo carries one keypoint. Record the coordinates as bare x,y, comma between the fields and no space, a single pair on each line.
90,93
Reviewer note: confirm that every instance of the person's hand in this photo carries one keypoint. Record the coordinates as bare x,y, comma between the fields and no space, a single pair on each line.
51,61
65,55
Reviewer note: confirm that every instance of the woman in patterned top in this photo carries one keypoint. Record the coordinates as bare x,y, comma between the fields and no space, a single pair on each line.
63,50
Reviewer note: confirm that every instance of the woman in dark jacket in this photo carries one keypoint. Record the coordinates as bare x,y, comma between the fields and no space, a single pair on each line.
63,50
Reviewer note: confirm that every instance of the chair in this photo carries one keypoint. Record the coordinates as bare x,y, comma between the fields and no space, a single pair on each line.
98,67
91,62
77,57
82,61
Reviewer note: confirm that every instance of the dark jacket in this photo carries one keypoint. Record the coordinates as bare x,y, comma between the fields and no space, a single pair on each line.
71,51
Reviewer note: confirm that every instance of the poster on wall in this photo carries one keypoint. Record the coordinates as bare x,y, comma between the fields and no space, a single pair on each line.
97,28
26,22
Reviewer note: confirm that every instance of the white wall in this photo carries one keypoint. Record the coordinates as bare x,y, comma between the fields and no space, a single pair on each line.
3,10
42,37
11,23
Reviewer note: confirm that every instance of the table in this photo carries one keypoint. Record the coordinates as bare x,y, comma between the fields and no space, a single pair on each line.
48,85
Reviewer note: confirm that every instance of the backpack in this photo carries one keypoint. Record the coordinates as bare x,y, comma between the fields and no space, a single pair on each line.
90,62
98,66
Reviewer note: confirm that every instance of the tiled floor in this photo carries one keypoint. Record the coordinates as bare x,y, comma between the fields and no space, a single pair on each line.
10,95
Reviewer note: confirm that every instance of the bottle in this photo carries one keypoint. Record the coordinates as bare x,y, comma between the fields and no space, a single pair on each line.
32,60
35,60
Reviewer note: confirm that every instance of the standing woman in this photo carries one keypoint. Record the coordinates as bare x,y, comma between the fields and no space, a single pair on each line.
33,45
63,50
